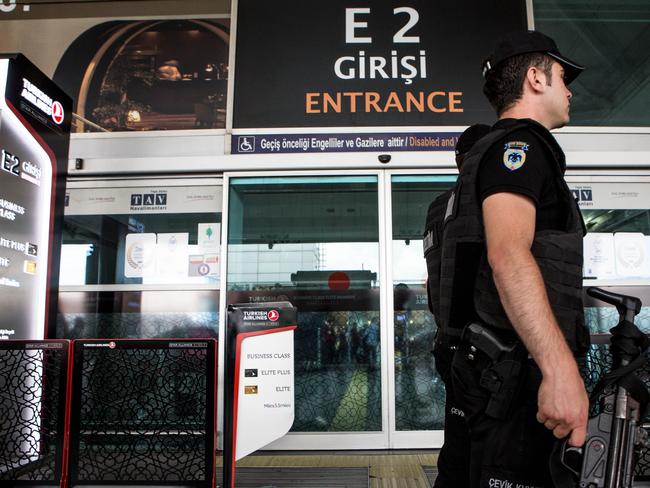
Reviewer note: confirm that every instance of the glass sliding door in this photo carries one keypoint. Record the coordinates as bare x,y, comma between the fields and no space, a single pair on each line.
314,241
418,392
347,252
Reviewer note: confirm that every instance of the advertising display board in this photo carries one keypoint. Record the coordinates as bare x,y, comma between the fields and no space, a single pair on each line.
34,135
259,399
348,64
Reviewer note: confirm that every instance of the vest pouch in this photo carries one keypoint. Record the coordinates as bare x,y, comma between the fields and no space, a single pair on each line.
432,249
451,210
559,257
439,211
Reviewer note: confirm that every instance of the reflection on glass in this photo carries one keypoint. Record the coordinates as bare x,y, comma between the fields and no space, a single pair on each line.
161,75
608,37
73,263
419,392
314,242
138,314
617,248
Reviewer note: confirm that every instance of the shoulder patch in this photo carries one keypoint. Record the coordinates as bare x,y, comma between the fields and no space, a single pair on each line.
514,155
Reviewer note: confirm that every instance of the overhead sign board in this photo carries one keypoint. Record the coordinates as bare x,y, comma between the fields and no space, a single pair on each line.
357,142
339,63
34,130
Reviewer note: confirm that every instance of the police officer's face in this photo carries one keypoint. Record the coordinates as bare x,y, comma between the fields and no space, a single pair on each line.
557,98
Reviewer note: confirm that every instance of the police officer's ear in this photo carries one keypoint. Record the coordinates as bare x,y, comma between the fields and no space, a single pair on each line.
536,80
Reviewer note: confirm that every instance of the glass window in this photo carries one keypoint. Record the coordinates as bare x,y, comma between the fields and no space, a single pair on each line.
617,245
315,242
138,314
611,39
158,74
419,392
129,234
141,235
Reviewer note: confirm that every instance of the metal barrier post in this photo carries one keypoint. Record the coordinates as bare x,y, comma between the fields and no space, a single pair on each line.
143,413
33,386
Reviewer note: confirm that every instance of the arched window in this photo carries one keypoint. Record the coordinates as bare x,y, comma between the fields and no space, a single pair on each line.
149,75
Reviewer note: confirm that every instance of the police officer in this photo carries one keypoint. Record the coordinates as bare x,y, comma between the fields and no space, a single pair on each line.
453,460
511,266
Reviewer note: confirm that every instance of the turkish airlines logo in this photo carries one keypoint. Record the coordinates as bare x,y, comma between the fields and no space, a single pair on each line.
57,113
41,100
273,315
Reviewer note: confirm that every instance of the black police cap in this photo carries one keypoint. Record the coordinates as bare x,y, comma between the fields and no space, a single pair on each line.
525,42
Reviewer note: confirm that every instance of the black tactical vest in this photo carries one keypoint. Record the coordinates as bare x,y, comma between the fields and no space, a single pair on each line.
465,285
432,243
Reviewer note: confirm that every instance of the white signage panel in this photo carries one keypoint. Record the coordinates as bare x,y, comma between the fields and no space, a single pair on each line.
265,402
144,200
140,258
609,195
171,255
631,255
209,238
599,257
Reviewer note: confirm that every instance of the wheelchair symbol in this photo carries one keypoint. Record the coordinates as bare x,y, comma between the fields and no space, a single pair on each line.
246,143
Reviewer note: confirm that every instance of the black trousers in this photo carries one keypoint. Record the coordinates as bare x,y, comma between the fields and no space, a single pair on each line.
453,460
513,452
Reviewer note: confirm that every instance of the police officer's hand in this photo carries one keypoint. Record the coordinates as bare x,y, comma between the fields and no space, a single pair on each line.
563,404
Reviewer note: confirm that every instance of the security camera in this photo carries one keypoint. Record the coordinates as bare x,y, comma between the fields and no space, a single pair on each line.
384,158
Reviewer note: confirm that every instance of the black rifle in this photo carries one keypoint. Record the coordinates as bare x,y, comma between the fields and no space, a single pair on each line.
615,437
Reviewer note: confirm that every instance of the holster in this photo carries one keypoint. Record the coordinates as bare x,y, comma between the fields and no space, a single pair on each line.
503,375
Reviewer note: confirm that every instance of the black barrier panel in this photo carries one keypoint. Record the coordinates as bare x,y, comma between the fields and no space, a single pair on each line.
143,413
597,362
33,380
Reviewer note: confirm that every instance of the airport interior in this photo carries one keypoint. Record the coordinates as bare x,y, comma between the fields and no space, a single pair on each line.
211,228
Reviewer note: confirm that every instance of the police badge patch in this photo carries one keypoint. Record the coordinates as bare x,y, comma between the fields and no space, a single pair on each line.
514,156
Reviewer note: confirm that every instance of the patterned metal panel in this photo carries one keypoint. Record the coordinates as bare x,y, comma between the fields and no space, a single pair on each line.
143,412
33,378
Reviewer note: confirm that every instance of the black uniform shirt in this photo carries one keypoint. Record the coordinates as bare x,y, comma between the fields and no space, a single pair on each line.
522,163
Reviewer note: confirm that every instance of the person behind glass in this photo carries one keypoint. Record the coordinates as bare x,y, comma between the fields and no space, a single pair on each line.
453,460
511,273
169,71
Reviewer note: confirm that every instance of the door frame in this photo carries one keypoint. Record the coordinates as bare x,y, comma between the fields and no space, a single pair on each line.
405,439
313,440
388,437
